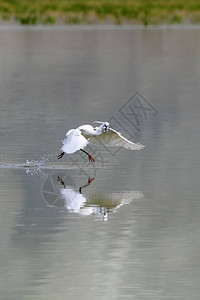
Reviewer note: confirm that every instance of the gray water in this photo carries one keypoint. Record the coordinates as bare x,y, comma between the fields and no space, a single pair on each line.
128,226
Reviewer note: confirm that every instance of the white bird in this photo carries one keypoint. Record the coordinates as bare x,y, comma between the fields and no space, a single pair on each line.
77,139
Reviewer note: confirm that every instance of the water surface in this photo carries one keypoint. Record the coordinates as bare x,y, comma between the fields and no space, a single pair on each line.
127,227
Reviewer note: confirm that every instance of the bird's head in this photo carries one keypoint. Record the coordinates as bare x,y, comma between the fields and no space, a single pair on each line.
103,127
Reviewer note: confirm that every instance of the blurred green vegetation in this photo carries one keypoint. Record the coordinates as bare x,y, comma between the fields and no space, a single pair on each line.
100,11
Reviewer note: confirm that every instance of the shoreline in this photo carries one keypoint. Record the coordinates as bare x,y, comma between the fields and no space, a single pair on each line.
38,27
93,12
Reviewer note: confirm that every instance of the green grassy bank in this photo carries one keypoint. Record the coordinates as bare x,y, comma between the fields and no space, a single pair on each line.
101,11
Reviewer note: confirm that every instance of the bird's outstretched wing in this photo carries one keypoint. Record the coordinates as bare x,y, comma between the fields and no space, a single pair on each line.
74,141
112,138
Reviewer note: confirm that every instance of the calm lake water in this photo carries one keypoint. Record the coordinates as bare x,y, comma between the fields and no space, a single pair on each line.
128,226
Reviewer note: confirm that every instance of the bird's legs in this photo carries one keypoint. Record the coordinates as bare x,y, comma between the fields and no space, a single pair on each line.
61,155
90,157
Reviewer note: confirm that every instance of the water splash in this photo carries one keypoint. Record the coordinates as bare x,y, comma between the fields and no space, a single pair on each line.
35,163
34,166
38,163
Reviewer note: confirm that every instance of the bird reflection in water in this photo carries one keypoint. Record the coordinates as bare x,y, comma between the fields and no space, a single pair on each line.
76,200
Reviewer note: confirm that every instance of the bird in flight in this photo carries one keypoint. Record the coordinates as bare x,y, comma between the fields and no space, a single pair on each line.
77,139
